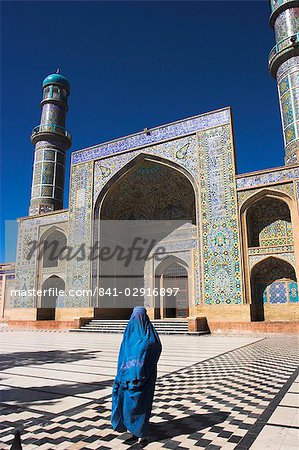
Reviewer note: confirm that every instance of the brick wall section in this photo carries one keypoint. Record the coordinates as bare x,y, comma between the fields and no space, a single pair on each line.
41,324
254,327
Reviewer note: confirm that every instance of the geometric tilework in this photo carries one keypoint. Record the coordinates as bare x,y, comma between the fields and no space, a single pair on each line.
214,404
277,293
80,222
293,292
297,192
220,240
281,292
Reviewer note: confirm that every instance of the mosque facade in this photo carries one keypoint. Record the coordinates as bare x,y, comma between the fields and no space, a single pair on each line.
232,246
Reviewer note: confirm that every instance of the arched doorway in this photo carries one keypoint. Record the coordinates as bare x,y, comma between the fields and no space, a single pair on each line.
52,288
146,192
51,272
172,284
273,281
54,243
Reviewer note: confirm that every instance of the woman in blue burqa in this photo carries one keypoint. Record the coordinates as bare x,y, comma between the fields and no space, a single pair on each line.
134,385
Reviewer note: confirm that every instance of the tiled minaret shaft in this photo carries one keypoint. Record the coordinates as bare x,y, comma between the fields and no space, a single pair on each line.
51,141
284,66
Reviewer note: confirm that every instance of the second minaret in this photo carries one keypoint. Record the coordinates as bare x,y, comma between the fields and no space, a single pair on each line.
284,66
51,141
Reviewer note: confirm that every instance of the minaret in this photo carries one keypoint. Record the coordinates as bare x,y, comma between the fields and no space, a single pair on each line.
51,141
284,67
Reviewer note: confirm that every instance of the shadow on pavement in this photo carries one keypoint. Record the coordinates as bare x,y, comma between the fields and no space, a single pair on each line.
32,397
9,360
186,425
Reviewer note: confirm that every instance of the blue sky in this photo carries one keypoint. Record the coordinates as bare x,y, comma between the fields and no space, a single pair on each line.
133,65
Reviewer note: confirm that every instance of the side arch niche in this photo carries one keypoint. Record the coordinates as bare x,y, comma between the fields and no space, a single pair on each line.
52,267
273,281
55,241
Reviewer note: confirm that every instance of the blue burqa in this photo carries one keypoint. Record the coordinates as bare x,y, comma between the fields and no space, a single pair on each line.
134,385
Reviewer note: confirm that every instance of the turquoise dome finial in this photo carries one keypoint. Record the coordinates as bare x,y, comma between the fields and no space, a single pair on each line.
57,78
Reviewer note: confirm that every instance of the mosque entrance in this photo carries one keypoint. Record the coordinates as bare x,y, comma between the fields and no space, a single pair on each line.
149,201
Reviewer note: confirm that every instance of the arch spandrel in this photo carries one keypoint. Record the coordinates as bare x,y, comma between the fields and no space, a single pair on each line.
288,257
249,194
183,152
148,188
263,193
268,259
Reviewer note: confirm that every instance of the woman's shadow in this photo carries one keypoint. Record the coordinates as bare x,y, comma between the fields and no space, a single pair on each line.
185,425
163,431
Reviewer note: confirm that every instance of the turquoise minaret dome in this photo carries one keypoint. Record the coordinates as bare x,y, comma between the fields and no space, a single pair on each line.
58,80
51,141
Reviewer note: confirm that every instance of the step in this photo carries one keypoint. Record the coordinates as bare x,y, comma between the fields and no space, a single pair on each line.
167,325
122,329
118,326
88,325
174,321
83,330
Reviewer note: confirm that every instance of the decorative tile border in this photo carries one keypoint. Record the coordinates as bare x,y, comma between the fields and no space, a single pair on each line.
297,189
271,177
154,135
220,239
270,250
288,256
80,221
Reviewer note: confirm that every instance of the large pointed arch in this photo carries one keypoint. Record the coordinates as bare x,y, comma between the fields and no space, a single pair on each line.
147,188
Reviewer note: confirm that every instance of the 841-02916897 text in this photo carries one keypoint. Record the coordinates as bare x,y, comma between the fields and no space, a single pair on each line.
136,292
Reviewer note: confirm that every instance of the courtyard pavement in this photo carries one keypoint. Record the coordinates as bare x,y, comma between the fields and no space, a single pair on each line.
213,392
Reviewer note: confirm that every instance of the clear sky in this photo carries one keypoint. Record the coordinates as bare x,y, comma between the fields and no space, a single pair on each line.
133,65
